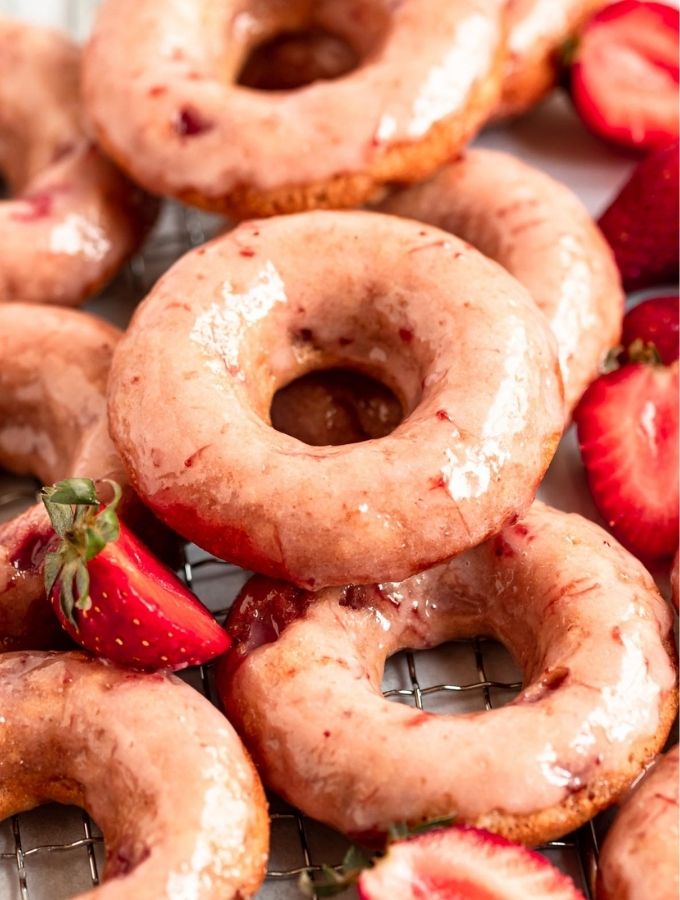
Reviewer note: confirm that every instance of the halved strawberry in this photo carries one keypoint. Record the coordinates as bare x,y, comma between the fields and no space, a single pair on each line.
627,425
654,321
112,595
624,78
641,224
463,864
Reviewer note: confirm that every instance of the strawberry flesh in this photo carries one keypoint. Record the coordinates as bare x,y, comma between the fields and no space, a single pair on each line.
627,427
463,864
141,614
624,80
654,321
641,225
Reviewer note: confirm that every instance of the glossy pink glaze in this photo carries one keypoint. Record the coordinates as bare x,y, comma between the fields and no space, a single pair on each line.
226,331
543,235
53,378
582,617
73,218
76,730
169,106
639,858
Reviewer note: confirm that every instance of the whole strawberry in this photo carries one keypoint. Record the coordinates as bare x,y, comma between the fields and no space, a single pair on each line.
627,424
624,77
641,225
112,595
654,321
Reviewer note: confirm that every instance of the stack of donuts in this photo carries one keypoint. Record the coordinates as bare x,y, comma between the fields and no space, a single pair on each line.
459,315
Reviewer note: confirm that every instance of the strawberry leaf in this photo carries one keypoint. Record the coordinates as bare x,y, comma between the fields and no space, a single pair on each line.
329,881
73,492
401,830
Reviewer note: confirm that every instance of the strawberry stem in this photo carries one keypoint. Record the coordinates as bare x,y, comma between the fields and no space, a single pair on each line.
85,528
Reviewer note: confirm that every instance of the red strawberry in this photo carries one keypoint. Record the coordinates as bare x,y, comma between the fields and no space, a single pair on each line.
654,321
112,595
624,78
627,425
641,224
463,864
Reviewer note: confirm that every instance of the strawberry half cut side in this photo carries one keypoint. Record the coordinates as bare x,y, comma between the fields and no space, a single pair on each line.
112,595
627,423
624,79
463,864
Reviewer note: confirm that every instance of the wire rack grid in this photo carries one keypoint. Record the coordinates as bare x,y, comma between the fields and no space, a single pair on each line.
57,852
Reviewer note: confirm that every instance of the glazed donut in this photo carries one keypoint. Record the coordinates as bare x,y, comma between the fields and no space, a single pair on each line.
537,30
582,617
541,233
73,219
639,858
52,425
168,106
455,338
76,731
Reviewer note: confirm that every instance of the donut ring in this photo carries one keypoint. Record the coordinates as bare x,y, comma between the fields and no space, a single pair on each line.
169,109
639,858
580,614
52,425
537,30
74,218
76,731
238,318
539,231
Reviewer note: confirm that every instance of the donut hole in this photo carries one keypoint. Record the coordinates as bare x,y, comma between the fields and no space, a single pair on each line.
335,406
479,674
293,60
296,44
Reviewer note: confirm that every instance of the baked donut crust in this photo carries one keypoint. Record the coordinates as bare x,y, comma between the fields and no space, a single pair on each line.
55,365
169,109
536,31
639,857
73,219
539,231
76,731
240,317
580,614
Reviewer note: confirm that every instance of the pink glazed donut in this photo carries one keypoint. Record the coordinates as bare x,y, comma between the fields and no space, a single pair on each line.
72,218
458,341
157,766
583,619
55,365
639,858
542,234
423,76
